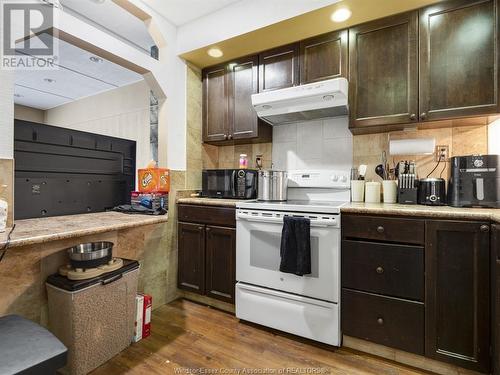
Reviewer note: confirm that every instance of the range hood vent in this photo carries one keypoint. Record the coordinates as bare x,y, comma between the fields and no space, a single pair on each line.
314,101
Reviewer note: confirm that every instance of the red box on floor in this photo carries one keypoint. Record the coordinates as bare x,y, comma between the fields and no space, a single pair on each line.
146,319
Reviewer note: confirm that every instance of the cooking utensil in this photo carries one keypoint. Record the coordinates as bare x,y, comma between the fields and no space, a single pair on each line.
90,255
379,170
272,186
362,171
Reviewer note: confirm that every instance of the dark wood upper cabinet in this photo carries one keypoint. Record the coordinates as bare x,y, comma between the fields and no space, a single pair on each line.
458,59
279,68
457,293
220,263
495,268
243,83
383,71
191,268
324,57
215,104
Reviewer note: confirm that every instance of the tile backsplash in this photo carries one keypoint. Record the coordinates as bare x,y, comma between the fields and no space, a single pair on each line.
324,144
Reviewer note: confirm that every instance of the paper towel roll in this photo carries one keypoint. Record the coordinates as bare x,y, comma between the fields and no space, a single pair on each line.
421,146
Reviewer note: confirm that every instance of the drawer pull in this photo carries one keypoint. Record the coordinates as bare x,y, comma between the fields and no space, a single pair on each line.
484,228
380,321
380,270
380,229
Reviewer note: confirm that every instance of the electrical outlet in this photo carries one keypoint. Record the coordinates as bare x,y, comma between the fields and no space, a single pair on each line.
442,153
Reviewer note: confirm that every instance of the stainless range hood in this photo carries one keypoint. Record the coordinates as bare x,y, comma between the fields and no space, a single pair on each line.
313,101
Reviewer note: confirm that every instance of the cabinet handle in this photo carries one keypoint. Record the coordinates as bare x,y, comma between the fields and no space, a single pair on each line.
423,115
230,136
225,136
380,270
380,321
380,229
484,228
200,228
413,116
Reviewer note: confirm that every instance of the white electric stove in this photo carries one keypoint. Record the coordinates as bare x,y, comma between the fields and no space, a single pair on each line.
309,305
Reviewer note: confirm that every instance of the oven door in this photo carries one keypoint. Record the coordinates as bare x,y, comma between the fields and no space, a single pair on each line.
258,240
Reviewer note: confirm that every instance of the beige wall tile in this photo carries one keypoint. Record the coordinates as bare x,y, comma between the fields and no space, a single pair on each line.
470,140
7,178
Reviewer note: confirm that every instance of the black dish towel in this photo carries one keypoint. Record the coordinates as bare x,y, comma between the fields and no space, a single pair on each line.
296,246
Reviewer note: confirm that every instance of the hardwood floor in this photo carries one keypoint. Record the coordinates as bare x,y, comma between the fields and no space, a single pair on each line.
188,336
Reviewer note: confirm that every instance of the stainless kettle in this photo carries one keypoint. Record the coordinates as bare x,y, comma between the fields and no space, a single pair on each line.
272,186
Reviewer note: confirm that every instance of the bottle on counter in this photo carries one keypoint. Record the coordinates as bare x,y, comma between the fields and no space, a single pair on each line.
4,209
243,161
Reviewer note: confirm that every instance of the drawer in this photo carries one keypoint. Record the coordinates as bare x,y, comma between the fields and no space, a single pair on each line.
395,270
383,320
395,229
221,216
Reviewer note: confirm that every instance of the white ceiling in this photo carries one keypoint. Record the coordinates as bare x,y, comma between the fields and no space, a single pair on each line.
180,12
76,78
112,18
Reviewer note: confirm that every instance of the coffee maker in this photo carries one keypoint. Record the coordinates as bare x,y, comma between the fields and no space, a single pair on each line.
475,181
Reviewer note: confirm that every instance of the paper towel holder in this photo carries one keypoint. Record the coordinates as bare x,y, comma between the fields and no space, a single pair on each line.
414,146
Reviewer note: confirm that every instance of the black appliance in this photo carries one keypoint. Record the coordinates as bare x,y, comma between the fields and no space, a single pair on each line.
230,183
61,171
432,191
475,181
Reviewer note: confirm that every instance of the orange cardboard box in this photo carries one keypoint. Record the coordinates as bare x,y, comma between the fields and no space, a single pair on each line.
154,180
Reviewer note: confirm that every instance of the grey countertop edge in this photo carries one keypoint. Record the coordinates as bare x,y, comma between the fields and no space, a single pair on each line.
19,240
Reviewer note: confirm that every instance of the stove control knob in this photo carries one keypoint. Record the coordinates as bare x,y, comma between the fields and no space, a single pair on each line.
335,178
343,179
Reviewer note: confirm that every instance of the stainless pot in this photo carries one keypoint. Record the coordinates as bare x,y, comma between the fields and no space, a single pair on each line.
89,255
272,186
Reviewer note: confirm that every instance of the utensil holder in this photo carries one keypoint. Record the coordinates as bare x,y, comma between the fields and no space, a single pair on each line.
357,190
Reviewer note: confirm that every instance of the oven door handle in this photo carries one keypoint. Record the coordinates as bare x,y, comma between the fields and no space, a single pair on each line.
279,220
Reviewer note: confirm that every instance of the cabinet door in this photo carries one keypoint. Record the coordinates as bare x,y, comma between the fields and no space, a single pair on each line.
221,266
215,104
279,68
323,57
243,82
458,59
495,262
383,71
191,268
457,293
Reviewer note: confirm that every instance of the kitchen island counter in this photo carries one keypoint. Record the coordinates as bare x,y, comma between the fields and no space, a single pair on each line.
438,212
48,229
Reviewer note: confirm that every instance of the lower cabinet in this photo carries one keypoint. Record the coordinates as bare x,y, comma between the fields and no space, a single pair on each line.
457,301
428,293
207,253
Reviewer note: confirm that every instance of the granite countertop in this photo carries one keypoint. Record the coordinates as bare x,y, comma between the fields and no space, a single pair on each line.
33,231
443,212
210,201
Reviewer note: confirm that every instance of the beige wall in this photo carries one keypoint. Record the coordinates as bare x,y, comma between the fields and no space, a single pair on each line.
122,113
463,136
22,112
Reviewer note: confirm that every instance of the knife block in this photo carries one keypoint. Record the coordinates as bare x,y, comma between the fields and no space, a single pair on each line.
408,195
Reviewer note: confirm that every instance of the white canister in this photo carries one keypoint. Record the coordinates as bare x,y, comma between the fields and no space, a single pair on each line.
357,190
390,190
372,192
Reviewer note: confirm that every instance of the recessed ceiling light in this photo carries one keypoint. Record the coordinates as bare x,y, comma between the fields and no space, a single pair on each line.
341,15
215,52
95,59
49,80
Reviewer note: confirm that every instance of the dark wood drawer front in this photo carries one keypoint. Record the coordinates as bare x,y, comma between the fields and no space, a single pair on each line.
384,229
395,270
222,216
387,321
